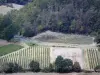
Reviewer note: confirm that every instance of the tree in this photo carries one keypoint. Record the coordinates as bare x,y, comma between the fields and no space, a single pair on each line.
59,60
76,67
67,65
51,68
63,65
7,27
9,32
34,66
97,39
73,26
1,26
67,16
11,68
48,69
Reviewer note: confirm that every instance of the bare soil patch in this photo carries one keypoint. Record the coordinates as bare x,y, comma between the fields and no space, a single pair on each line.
4,42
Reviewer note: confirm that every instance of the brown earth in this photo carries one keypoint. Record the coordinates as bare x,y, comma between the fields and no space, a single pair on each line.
4,42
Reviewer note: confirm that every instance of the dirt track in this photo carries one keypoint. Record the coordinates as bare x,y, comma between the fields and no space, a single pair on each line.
52,74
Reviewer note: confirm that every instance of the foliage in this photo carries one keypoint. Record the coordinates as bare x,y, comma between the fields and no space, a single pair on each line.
67,16
32,44
51,68
48,69
11,68
8,28
59,60
63,65
34,66
9,32
76,67
97,39
97,68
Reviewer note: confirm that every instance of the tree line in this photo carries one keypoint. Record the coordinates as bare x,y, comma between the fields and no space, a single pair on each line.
66,16
61,65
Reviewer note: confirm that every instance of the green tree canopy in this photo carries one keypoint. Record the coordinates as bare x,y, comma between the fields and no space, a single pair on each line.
11,68
34,66
77,67
67,16
63,65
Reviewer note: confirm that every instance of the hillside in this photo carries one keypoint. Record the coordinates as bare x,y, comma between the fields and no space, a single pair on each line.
55,37
66,16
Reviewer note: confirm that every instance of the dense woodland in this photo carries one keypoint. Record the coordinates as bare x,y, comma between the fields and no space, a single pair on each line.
66,16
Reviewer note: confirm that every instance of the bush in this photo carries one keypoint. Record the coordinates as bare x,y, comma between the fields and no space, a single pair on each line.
76,67
11,68
34,66
48,69
51,67
97,68
63,65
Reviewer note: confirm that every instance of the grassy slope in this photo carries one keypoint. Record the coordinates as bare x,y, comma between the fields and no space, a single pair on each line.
9,48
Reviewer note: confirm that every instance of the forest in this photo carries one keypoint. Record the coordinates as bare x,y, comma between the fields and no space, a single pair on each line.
66,16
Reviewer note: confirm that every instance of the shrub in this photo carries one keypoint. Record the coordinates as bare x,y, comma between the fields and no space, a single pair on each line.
48,69
11,68
34,66
51,67
63,65
58,63
76,67
97,68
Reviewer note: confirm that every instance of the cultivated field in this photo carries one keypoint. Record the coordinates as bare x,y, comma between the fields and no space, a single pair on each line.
52,74
9,48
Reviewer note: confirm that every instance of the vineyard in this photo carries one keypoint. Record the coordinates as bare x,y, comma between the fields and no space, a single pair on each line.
24,56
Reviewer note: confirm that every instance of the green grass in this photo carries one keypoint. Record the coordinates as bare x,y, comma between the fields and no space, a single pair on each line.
9,48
